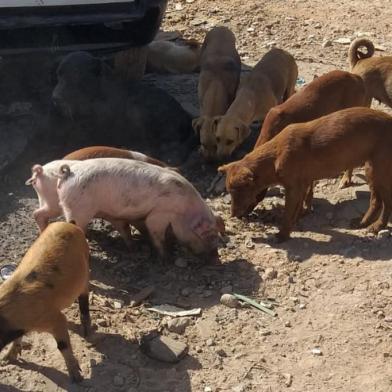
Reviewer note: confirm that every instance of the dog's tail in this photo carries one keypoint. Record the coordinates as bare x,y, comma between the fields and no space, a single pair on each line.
354,54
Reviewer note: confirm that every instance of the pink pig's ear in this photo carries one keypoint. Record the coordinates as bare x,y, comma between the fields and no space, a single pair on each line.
36,170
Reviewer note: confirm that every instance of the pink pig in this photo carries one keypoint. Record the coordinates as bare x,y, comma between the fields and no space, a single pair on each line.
122,190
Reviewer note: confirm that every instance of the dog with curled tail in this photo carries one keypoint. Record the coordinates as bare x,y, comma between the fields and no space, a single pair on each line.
376,72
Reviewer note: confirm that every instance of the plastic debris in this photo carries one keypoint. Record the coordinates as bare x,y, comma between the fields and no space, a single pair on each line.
300,81
6,271
174,311
255,304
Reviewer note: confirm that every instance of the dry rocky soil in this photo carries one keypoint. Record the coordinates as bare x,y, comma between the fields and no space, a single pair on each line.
332,286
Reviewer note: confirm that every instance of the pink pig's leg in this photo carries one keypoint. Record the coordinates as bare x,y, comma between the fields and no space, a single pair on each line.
43,214
123,228
156,225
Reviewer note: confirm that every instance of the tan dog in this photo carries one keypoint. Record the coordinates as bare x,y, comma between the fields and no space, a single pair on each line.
53,273
270,83
220,68
376,72
326,94
171,57
321,148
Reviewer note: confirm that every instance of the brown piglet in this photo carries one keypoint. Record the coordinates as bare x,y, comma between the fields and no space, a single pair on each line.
53,273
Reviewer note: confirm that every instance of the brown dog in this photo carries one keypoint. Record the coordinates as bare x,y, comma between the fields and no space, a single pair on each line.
376,72
220,68
170,57
326,94
270,83
321,148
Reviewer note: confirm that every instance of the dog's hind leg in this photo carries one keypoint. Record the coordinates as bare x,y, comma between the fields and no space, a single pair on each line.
375,202
346,179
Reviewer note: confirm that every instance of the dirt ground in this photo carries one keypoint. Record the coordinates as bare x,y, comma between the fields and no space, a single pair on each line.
332,285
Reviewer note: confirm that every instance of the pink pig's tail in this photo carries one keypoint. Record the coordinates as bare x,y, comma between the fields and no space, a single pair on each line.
65,172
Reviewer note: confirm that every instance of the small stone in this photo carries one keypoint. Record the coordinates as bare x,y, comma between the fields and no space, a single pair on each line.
198,349
118,381
343,40
380,314
249,244
181,262
229,301
210,342
207,389
227,199
302,306
118,304
270,273
221,353
288,379
178,324
163,348
327,43
317,351
287,324
102,322
382,234
388,319
265,333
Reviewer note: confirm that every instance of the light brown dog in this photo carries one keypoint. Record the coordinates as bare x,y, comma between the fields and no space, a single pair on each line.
270,83
53,273
220,68
172,57
326,94
376,72
321,148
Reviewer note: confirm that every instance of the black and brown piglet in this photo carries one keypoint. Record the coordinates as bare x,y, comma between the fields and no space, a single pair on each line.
53,273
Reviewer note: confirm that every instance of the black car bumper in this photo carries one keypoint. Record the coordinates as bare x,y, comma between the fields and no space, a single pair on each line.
102,27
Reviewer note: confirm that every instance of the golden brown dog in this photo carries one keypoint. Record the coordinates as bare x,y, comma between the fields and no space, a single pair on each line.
172,57
270,82
321,148
326,94
376,72
53,273
220,68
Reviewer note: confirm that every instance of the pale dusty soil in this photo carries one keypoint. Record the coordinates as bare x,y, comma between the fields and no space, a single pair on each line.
333,284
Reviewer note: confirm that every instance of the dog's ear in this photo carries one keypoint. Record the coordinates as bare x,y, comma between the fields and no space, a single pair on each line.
224,168
243,131
243,176
197,124
214,123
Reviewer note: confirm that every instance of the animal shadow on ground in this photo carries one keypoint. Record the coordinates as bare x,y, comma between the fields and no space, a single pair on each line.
330,225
